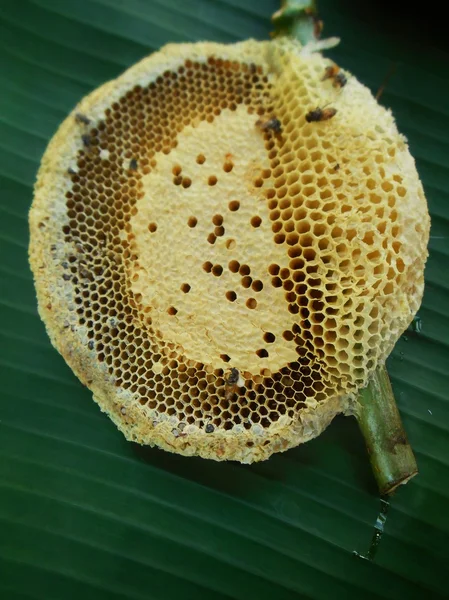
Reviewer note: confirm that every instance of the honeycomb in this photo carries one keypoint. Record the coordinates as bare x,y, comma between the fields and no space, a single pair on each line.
223,271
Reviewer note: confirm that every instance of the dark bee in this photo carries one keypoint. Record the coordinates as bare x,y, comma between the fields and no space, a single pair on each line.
334,72
233,376
133,164
330,72
340,80
71,171
270,125
320,114
231,383
80,118
317,26
86,140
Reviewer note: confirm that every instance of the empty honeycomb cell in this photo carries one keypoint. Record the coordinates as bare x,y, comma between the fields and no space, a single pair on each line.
217,270
220,279
269,337
234,266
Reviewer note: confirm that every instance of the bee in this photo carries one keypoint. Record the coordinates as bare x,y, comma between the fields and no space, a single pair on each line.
270,125
337,167
80,118
334,72
133,164
340,80
232,383
71,171
317,24
320,114
330,72
233,376
86,140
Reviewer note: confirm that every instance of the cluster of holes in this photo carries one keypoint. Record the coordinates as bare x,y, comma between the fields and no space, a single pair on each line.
336,337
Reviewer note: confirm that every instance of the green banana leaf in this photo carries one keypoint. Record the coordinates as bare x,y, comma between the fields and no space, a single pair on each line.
86,515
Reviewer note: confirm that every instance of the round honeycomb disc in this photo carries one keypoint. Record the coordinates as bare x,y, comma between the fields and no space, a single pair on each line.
225,245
